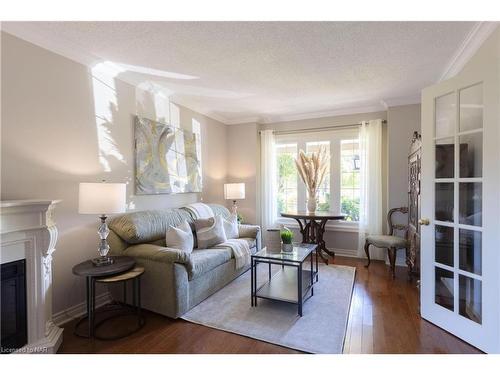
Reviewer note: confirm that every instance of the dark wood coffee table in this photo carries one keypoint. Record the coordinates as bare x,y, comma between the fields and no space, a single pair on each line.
312,227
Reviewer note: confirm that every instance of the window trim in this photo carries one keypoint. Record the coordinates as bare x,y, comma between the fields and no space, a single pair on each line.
334,137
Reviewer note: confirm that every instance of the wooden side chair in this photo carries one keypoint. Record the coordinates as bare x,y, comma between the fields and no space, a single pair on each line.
391,241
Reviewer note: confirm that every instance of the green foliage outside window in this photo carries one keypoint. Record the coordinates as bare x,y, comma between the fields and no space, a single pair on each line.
350,207
286,169
287,176
324,206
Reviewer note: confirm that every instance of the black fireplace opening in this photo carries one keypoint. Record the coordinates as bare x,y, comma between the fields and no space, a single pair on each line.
13,324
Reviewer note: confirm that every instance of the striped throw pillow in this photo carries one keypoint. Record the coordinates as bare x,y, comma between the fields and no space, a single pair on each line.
209,232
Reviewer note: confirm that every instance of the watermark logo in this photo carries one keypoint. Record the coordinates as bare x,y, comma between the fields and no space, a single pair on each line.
25,350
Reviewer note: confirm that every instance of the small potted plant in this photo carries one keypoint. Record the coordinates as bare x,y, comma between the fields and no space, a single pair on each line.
286,240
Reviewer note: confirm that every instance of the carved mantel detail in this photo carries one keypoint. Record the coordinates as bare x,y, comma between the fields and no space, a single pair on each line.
28,231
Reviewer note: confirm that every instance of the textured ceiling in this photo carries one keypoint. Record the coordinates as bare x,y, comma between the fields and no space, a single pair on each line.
244,71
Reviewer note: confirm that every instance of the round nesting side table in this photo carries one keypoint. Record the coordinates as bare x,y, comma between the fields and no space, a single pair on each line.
122,270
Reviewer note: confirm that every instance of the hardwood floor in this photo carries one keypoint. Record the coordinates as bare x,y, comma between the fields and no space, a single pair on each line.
383,318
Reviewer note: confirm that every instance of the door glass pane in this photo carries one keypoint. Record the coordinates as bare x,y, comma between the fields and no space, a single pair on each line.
445,115
445,158
444,201
471,203
471,155
470,250
470,298
444,245
471,108
443,294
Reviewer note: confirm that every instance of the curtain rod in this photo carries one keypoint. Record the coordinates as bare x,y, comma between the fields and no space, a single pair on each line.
325,128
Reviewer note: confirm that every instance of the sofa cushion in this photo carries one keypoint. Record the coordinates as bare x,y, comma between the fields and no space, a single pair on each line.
159,254
147,226
196,263
205,260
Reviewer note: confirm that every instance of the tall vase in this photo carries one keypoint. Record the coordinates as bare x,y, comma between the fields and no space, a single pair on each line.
311,201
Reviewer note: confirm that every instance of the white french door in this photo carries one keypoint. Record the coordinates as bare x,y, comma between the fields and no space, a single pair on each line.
460,225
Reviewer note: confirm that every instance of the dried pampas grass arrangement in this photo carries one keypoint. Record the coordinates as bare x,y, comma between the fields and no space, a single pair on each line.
312,170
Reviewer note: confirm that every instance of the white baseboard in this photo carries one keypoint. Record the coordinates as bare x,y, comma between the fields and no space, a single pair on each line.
351,253
78,310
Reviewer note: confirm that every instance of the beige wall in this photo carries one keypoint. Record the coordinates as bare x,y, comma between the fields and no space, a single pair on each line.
402,121
242,163
61,126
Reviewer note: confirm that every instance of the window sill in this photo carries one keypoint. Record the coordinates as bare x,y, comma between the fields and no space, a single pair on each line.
331,226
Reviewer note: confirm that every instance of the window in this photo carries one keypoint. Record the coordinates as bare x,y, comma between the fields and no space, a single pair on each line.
349,186
340,189
287,177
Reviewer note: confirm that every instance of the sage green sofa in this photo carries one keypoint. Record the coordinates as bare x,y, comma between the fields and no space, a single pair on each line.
174,281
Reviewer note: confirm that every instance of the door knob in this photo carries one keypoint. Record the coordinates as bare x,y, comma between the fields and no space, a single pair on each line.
424,221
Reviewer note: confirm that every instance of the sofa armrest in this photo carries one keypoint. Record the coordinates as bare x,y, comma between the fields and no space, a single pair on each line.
158,254
251,231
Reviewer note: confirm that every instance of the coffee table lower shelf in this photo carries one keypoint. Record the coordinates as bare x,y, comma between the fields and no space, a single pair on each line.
283,286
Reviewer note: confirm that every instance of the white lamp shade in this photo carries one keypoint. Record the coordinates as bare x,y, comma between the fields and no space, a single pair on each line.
234,191
101,198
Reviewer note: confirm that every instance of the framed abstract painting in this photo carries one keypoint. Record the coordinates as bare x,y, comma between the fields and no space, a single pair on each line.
167,159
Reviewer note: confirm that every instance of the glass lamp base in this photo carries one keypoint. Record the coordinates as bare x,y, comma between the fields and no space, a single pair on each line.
102,261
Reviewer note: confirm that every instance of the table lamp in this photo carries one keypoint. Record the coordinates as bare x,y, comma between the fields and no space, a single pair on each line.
234,192
102,198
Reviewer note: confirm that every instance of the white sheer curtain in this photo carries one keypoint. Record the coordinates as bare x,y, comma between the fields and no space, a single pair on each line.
268,181
370,208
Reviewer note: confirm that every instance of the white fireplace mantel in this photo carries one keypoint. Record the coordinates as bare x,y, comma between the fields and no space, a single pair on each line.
28,231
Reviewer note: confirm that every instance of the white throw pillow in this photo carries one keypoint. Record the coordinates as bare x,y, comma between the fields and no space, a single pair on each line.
209,232
180,237
231,227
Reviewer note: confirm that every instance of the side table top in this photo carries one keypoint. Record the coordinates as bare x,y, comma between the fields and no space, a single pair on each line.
124,276
121,264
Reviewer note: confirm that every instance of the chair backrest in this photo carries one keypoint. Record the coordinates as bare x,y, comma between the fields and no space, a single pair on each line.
397,227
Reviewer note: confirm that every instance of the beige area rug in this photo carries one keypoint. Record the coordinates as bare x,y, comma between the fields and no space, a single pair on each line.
321,329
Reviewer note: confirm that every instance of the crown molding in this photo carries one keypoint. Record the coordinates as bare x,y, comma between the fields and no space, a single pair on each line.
245,120
478,35
309,115
403,100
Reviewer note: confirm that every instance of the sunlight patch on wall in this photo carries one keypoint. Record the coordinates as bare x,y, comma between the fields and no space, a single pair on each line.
175,115
152,102
106,108
196,128
154,72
